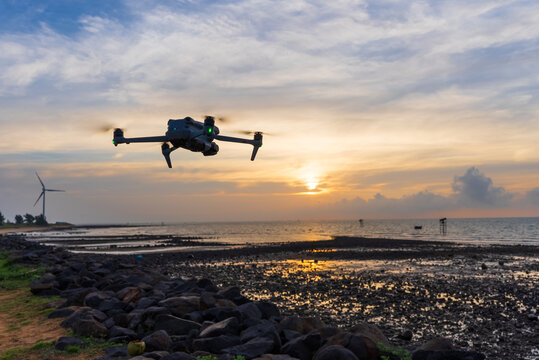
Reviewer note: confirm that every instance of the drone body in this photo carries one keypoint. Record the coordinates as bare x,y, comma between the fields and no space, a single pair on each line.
191,135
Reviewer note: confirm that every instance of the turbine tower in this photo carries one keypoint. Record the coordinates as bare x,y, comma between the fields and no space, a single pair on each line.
43,194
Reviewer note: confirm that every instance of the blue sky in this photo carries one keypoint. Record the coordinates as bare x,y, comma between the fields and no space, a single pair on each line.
370,100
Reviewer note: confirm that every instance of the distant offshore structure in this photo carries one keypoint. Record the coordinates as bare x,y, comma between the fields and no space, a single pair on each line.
443,226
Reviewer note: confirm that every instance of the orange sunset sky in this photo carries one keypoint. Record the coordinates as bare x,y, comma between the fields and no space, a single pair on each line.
374,109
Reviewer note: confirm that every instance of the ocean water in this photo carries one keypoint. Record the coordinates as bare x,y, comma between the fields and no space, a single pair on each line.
476,231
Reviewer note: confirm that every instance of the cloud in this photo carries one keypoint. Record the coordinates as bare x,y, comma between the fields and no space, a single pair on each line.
532,197
470,191
474,189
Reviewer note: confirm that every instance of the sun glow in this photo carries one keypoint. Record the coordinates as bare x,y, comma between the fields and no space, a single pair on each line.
311,183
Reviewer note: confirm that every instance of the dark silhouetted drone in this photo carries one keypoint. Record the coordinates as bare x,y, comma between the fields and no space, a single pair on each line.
191,135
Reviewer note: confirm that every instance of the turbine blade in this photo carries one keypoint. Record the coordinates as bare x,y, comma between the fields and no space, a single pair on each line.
54,190
40,180
40,195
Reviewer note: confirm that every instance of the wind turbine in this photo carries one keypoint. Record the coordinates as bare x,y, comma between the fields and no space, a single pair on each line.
43,194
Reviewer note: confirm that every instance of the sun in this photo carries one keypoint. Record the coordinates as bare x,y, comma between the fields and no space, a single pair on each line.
311,183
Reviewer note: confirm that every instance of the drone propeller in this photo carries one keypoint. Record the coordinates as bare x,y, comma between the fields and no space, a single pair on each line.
104,128
247,132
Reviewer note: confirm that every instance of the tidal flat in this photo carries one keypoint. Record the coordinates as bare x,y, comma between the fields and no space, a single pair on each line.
483,298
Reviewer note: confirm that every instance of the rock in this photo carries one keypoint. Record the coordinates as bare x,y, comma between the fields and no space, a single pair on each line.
156,355
66,341
230,326
174,325
230,293
289,335
146,302
158,340
216,344
304,346
268,310
129,294
371,331
439,343
275,357
64,312
484,266
90,328
219,314
446,355
178,356
207,285
406,335
207,301
335,352
225,303
181,305
252,348
116,331
249,311
532,316
38,287
301,325
93,299
111,304
116,352
266,329
362,347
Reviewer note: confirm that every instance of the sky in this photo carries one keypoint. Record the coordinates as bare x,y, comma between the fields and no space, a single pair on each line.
372,109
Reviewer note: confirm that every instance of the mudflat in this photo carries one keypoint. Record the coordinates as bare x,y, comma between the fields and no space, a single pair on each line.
484,298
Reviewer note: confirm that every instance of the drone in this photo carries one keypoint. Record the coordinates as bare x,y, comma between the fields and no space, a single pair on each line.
191,135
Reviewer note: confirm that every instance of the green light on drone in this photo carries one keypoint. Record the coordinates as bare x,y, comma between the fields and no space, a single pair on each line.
209,130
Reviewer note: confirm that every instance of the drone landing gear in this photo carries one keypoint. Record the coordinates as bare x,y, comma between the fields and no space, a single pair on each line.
166,149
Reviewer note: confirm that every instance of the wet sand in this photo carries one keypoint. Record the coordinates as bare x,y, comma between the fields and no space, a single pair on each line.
484,298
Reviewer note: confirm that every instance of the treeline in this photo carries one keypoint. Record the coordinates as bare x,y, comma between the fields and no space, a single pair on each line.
24,219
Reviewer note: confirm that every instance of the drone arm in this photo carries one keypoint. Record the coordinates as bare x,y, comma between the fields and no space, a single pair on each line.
256,142
122,140
236,140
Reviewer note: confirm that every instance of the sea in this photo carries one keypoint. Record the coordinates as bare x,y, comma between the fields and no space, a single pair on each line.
512,231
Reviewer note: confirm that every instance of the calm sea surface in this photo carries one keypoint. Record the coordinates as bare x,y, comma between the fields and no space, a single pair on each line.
478,231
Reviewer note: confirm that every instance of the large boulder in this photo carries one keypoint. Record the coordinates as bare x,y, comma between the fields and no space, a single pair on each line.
362,347
371,331
335,352
266,329
174,325
180,355
249,311
66,341
301,325
90,328
269,310
230,326
252,348
94,299
158,340
129,294
303,347
118,331
181,305
216,344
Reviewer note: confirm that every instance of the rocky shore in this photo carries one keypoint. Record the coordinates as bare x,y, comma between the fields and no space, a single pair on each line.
189,315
